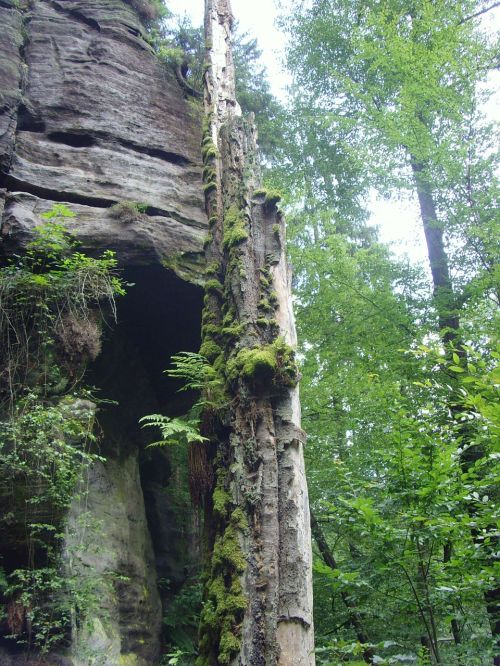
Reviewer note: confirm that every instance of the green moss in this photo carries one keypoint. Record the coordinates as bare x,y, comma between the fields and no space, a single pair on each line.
209,173
221,617
229,645
221,501
208,239
288,371
208,623
239,519
208,317
211,186
227,555
258,364
214,286
210,330
219,362
266,321
225,602
228,318
271,196
276,230
210,350
234,227
213,268
233,331
269,363
264,281
209,152
212,220
265,305
207,140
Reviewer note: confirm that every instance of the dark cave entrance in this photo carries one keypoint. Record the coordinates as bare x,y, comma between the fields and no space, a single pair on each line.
160,316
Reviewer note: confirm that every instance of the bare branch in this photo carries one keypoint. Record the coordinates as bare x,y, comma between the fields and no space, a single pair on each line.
479,13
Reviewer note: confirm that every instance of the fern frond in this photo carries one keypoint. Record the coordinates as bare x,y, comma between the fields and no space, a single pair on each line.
194,369
173,430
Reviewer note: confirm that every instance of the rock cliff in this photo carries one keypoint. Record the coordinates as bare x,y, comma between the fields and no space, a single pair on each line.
89,117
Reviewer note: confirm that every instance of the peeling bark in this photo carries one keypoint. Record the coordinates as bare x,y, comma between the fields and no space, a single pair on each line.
258,600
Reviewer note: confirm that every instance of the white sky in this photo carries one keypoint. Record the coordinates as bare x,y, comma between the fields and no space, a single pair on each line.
398,222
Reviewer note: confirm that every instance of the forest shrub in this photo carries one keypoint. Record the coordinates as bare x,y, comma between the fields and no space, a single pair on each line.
51,308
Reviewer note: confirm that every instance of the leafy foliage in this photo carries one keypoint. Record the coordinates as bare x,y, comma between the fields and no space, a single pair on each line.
197,375
51,304
401,462
173,430
47,302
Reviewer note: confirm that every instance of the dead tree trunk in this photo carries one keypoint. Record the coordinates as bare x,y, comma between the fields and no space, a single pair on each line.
258,591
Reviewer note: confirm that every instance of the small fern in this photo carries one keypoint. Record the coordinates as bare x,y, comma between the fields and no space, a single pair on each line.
198,375
173,430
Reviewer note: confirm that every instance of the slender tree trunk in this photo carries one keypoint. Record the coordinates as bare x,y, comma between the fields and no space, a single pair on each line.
455,628
258,595
443,290
354,618
449,324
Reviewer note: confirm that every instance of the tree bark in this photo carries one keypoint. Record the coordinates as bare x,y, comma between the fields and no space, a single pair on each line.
438,260
258,595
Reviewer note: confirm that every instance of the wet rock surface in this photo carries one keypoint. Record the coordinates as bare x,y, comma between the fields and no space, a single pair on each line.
89,117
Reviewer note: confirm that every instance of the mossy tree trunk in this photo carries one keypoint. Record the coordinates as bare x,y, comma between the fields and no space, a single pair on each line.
258,595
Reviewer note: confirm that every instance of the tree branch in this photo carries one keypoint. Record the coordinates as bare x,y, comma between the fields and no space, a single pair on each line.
479,13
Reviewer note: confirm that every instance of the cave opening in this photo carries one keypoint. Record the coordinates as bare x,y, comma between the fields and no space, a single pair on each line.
159,316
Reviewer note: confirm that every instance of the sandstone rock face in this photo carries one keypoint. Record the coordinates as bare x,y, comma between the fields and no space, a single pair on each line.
90,118
107,535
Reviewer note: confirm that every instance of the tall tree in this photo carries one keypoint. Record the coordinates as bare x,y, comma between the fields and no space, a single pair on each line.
257,607
394,86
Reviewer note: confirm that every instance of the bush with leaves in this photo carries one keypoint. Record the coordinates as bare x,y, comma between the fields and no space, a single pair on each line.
52,302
